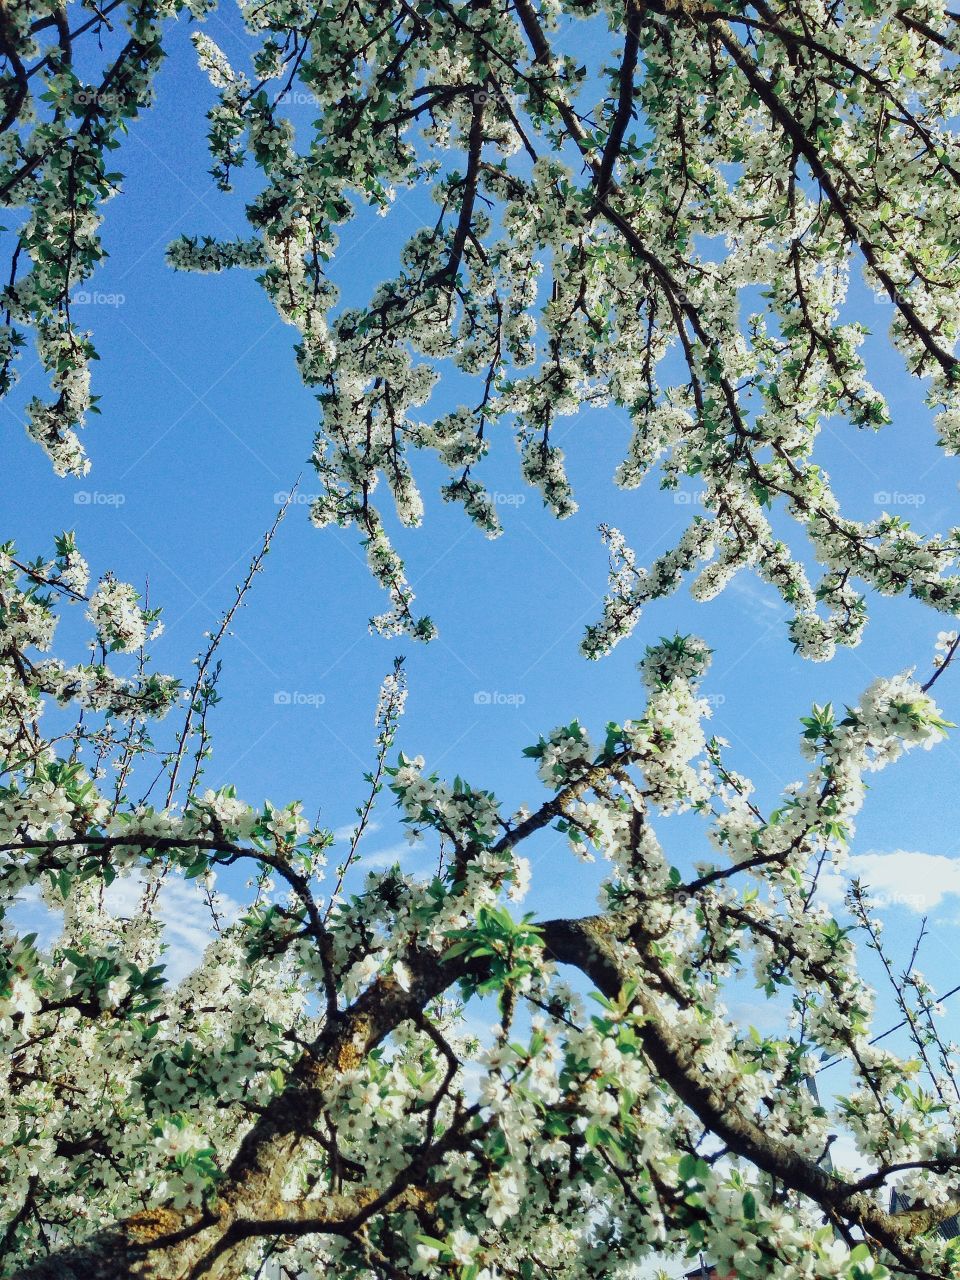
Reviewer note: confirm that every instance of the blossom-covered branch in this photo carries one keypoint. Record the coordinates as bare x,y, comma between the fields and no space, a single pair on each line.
693,196
64,111
314,1093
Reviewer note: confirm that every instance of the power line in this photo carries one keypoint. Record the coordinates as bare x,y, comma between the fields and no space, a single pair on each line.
890,1030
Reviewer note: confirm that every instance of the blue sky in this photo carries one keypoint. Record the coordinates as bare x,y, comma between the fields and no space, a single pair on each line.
204,422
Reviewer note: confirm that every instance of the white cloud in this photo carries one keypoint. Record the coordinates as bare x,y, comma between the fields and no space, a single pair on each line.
844,1154
31,914
182,905
344,834
185,912
904,878
760,601
767,1016
383,858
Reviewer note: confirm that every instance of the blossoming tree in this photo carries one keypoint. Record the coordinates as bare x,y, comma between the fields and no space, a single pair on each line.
310,1100
310,1096
573,260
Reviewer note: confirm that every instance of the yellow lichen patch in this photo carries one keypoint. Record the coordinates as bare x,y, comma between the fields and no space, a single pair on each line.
151,1224
348,1057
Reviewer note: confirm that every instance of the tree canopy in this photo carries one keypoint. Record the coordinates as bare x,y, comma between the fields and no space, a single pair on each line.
685,228
674,229
306,1093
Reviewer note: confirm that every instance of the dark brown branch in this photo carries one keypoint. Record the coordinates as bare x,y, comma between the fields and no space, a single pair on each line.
618,127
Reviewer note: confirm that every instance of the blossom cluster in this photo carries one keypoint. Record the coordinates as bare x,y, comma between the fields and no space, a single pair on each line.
584,1139
574,267
63,117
